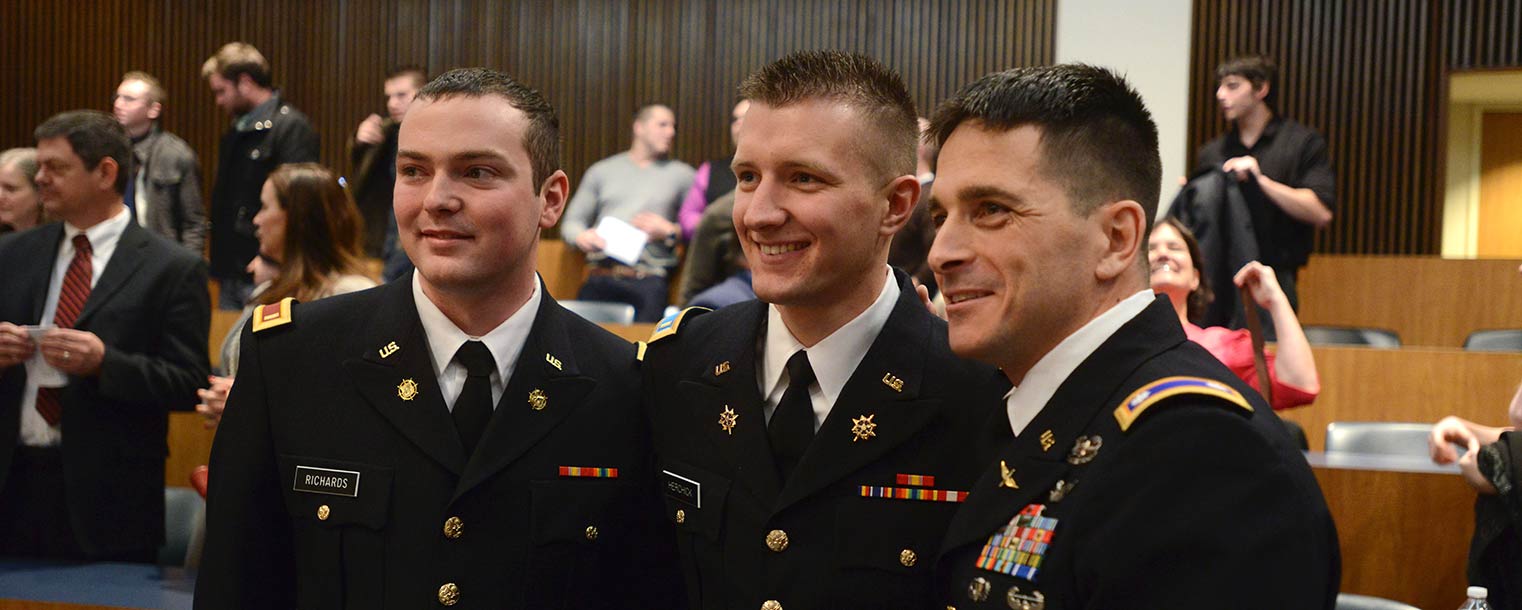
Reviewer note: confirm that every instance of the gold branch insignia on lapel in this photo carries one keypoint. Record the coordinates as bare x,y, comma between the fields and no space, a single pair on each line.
727,420
407,389
863,428
537,399
893,382
1007,476
390,348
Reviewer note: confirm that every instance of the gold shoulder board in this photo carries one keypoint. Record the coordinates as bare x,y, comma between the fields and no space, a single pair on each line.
275,314
1146,396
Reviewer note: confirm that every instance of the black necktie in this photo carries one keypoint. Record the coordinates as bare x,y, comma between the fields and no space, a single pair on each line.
792,425
472,410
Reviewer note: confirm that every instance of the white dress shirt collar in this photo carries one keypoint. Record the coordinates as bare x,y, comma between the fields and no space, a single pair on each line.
833,359
103,239
505,342
1026,400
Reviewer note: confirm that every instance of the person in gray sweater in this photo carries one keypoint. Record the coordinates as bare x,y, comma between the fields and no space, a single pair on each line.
642,187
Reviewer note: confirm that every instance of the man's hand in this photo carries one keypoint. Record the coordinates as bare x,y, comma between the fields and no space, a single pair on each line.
656,227
15,345
214,399
76,352
1446,433
1242,167
1261,281
369,131
262,270
589,241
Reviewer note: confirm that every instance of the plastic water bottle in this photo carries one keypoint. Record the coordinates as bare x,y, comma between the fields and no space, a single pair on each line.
1476,599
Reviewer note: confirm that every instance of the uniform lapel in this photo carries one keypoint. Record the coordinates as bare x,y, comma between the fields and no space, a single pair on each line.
123,264
381,375
546,387
720,391
1039,456
878,409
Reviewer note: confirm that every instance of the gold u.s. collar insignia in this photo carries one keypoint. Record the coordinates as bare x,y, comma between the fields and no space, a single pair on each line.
893,382
1047,440
555,362
721,368
389,349
863,428
407,389
537,399
727,420
1007,476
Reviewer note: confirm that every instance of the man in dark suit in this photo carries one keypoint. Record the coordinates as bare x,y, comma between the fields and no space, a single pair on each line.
1141,473
372,152
812,444
82,454
453,438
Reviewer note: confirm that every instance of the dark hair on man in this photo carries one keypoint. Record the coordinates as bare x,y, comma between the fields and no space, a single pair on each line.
541,139
859,82
93,135
1097,139
156,92
237,58
1202,295
1259,70
418,74
643,112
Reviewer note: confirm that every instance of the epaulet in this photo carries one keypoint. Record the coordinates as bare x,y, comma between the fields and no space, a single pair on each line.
667,327
1146,396
275,314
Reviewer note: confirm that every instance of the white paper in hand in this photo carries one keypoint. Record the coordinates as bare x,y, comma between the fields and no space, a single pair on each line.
39,370
624,242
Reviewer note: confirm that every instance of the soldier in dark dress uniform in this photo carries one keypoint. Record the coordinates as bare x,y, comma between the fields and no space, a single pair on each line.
813,444
1141,473
455,438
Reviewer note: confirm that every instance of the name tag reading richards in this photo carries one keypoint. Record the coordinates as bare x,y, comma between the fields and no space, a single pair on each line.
327,481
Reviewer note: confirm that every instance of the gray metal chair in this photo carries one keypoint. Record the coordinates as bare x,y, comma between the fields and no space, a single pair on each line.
1350,335
1349,601
1381,438
1502,340
602,312
182,509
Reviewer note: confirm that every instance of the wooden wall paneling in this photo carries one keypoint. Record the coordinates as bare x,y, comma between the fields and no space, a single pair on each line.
1419,385
1429,301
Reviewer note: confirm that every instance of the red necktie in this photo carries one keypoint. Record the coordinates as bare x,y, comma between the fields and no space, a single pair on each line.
71,300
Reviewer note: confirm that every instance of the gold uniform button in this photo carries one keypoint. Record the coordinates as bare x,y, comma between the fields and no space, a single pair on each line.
323,512
681,516
453,528
449,594
907,557
591,532
978,589
776,540
771,604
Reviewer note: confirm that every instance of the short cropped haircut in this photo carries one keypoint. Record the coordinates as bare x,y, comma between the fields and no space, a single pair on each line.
1097,139
93,135
1257,69
156,92
236,58
862,84
418,74
541,139
644,111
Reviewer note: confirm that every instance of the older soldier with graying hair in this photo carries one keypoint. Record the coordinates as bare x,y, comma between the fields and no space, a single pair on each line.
815,443
1142,473
452,438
